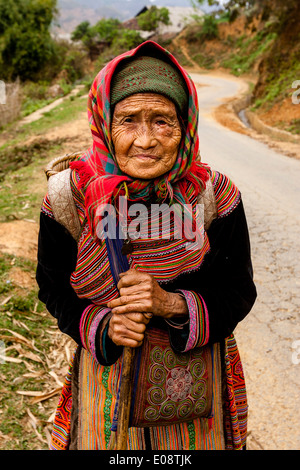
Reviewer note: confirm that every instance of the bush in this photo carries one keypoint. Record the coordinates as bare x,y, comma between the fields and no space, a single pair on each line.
75,65
26,44
149,21
126,39
209,29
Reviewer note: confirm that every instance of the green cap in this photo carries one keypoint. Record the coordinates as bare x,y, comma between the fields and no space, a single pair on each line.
152,75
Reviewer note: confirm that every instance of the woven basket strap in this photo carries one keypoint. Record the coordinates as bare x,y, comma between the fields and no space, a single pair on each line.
60,163
208,199
62,202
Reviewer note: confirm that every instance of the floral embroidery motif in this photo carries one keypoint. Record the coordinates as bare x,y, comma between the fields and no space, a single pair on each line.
172,387
179,384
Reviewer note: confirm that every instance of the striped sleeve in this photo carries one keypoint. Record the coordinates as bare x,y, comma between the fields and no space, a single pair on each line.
198,320
46,207
227,194
90,320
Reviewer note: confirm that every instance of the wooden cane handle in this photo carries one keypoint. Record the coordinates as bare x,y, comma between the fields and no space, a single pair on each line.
125,398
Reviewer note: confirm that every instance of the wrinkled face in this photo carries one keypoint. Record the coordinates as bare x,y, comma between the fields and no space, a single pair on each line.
146,135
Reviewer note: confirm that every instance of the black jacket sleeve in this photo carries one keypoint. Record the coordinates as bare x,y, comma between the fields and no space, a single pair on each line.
57,252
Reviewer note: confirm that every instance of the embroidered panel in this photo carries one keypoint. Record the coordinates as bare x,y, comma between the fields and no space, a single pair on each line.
169,387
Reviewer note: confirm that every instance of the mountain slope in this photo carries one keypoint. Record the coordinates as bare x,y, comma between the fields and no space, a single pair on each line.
73,12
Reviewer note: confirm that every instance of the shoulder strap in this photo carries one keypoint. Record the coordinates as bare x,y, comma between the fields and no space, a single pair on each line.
62,202
208,199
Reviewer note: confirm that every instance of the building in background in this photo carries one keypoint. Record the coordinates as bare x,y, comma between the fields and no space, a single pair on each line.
179,18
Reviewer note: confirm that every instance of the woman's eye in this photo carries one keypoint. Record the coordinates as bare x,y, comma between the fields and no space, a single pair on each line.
128,120
161,122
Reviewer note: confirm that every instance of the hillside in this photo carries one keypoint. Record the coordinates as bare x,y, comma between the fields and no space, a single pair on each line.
73,12
258,48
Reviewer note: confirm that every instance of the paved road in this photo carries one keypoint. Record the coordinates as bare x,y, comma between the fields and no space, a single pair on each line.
269,337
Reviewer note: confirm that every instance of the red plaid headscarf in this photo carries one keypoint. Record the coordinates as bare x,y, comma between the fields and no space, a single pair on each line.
100,176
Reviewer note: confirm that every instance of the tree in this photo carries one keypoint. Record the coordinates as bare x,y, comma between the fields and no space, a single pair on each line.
25,41
150,20
248,4
106,29
80,31
105,34
127,39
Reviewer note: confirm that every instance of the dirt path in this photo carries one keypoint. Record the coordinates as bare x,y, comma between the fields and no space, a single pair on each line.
224,112
40,112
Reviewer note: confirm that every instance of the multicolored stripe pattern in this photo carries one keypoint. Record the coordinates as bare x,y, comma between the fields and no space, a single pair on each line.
62,423
227,194
164,258
89,323
198,320
46,207
236,407
98,391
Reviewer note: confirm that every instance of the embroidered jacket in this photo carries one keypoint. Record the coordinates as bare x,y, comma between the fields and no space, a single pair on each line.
217,284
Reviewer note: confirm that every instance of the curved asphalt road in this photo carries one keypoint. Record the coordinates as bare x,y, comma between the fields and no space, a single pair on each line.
269,337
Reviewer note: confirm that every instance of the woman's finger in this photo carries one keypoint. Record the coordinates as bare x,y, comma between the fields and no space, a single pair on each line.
134,289
142,306
129,299
127,330
131,278
133,325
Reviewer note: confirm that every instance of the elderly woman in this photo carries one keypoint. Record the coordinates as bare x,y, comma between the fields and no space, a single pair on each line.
175,300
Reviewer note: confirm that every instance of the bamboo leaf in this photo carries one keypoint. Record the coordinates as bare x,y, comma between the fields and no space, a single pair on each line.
10,359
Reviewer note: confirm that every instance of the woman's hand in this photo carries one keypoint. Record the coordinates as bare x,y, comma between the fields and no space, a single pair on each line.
127,329
140,292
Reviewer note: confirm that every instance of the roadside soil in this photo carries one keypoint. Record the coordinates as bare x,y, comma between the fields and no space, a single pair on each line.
224,113
226,116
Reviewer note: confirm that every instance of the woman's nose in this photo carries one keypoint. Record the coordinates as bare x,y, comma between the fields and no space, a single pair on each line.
144,137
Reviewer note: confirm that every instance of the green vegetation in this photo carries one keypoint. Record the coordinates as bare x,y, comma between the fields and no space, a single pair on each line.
104,30
255,38
209,28
106,34
20,199
247,51
295,126
26,45
20,163
68,111
149,20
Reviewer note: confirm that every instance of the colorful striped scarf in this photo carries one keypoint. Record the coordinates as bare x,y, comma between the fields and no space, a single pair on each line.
100,177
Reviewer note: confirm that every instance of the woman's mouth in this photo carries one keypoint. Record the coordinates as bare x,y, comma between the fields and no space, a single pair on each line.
145,156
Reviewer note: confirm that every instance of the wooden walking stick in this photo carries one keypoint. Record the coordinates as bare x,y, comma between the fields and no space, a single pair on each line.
125,398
